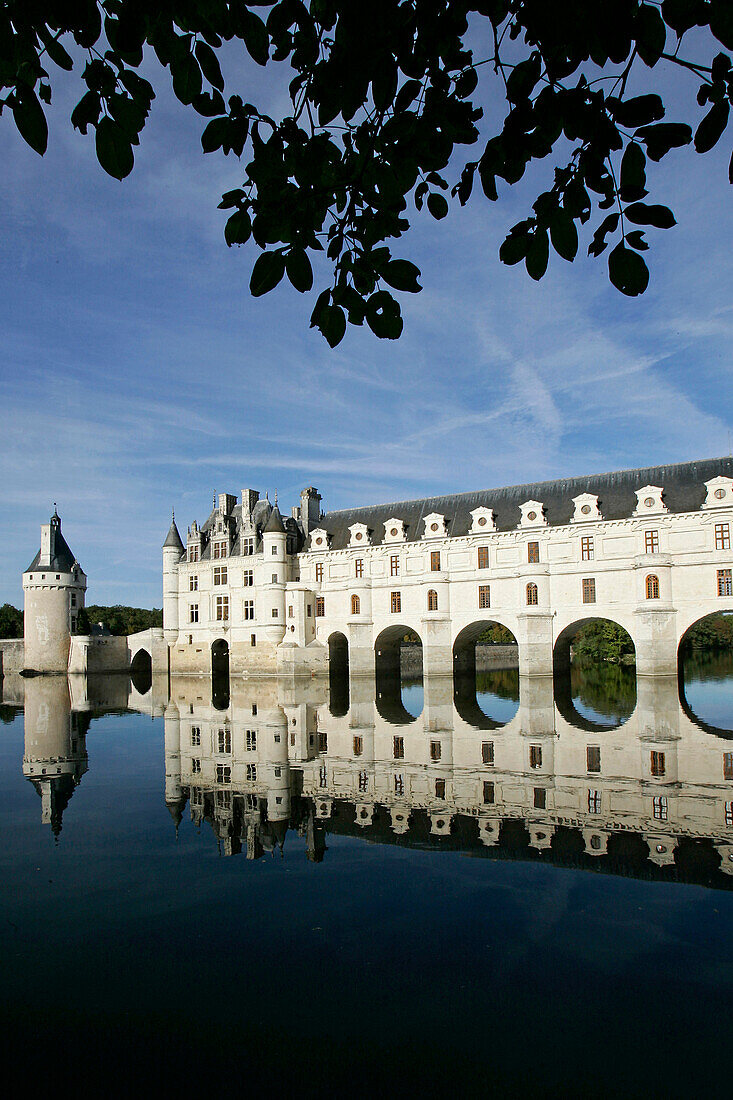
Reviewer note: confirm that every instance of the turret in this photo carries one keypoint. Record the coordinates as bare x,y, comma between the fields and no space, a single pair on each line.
275,569
54,586
54,757
172,551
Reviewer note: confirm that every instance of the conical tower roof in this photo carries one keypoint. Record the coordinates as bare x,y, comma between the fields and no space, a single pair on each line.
173,538
61,559
275,524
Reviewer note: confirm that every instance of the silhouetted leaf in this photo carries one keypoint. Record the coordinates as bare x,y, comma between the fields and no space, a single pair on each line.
383,315
209,63
299,269
663,136
712,126
266,273
113,148
256,38
627,271
537,254
402,275
721,22
599,242
30,119
332,324
633,173
564,235
215,134
437,205
238,228
641,214
639,111
651,35
636,239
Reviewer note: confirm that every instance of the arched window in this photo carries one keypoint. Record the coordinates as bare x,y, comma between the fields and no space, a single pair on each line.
355,605
432,600
532,597
652,587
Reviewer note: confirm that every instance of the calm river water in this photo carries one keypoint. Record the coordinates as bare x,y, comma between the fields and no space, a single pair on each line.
471,888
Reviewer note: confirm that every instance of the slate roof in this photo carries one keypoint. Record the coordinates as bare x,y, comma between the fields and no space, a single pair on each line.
683,484
274,525
173,538
62,560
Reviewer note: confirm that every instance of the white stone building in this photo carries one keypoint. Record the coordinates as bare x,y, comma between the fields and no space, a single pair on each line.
647,548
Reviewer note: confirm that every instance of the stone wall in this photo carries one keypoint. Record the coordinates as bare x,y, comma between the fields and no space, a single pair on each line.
487,657
12,655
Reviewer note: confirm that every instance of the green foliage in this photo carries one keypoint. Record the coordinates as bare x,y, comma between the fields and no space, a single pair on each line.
609,690
602,640
496,634
122,620
11,621
712,632
383,93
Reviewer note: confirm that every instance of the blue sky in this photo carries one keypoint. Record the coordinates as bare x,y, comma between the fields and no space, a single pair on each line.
137,374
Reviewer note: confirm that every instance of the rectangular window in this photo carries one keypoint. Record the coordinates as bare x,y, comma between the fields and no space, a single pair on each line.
484,595
220,574
220,549
399,784
725,582
290,611
254,709
729,813
275,612
248,547
248,578
223,773
533,552
73,599
659,807
250,740
195,735
251,772
434,560
274,551
193,553
395,599
320,607
488,792
359,567
722,536
593,758
535,756
224,800
196,766
483,557
358,746
363,781
193,613
224,740
589,590
394,565
540,798
309,610
253,640
319,572
398,748
274,578
594,802
323,776
193,583
435,751
487,753
440,788
222,609
248,609
322,741
657,764
728,765
586,548
651,542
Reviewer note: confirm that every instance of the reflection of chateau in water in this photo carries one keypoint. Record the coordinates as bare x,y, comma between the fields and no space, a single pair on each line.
653,797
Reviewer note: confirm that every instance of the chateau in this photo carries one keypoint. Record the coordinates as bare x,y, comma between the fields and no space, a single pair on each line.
262,593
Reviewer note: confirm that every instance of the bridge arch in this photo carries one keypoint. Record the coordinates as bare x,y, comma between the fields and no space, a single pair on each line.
220,674
598,694
338,674
714,658
465,675
388,671
141,671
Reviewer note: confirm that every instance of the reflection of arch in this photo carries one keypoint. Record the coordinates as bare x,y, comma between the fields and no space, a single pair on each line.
141,671
568,682
686,656
464,674
389,674
220,674
338,674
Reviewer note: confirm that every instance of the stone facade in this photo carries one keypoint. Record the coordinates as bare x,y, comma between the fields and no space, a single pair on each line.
649,549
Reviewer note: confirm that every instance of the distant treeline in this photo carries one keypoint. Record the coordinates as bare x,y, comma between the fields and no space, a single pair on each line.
119,620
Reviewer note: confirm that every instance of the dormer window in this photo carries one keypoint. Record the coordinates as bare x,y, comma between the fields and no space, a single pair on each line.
394,530
319,539
434,526
649,501
359,534
719,492
219,549
532,514
586,508
482,520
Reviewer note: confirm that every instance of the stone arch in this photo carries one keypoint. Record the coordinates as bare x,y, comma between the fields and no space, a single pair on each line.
387,664
220,674
564,679
465,674
338,674
141,671
712,659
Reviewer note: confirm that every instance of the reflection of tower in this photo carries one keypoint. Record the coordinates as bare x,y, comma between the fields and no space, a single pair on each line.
53,589
276,770
55,756
175,798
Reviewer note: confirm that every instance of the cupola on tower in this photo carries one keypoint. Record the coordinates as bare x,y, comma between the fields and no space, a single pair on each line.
54,586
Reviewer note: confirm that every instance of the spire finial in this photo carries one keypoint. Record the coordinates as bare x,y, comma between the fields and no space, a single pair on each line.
173,515
276,496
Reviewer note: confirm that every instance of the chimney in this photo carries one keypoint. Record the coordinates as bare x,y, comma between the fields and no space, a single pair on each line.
249,499
310,509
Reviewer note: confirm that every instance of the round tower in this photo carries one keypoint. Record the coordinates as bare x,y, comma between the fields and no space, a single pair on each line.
172,551
54,586
275,568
